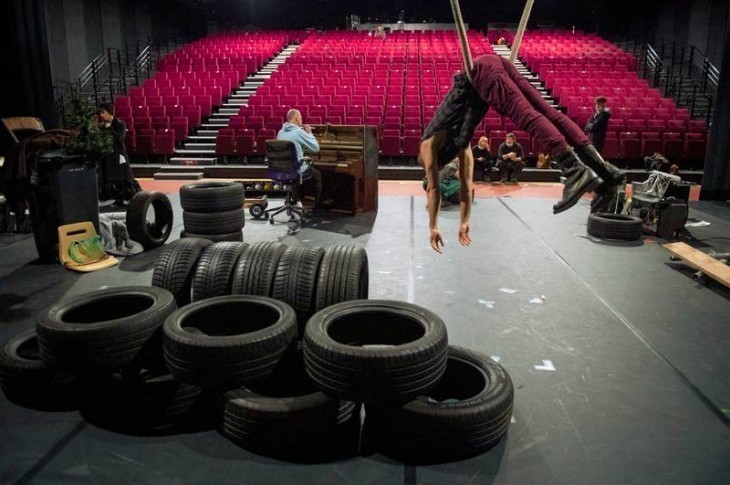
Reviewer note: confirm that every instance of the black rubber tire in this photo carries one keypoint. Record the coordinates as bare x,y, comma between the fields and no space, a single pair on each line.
228,340
26,380
343,276
224,222
286,413
149,235
105,330
175,267
296,280
467,413
232,237
614,226
256,269
212,196
406,357
214,272
141,402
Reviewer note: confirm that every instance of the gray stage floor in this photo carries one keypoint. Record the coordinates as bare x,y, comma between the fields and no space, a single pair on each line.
619,358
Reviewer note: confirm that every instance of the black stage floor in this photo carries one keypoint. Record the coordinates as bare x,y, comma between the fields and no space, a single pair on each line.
619,357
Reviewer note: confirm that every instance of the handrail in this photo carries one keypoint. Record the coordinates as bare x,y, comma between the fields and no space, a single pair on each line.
88,72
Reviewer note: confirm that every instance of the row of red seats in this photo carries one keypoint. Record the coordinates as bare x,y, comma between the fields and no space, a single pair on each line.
242,142
367,101
192,113
674,146
146,142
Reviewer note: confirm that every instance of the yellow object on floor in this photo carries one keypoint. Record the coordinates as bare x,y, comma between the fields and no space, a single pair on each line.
79,248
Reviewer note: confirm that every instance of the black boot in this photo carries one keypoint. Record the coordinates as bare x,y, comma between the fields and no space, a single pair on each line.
579,179
614,179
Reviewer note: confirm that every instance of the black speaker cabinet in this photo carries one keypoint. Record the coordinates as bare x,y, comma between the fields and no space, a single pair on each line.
672,217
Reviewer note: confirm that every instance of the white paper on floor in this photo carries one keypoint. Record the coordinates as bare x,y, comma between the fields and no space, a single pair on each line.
697,224
509,291
488,304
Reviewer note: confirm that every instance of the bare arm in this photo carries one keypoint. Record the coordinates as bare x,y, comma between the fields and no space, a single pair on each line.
466,169
429,157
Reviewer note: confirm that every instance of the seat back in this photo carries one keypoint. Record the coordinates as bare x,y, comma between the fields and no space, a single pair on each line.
282,159
69,234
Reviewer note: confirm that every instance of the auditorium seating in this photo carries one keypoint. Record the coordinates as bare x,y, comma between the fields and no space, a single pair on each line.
579,67
396,84
189,84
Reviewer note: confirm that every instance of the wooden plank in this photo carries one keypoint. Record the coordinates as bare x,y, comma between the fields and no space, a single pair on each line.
701,261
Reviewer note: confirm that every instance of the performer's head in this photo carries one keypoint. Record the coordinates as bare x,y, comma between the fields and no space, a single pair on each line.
600,103
510,140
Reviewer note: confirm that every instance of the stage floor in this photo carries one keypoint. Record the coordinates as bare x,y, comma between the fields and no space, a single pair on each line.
636,389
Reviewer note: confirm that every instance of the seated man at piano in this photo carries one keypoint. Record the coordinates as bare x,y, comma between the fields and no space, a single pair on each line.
301,135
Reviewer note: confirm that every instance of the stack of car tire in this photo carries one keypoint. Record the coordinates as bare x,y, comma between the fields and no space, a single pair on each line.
213,210
307,278
155,362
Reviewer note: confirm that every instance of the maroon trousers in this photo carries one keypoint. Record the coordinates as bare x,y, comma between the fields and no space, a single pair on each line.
503,88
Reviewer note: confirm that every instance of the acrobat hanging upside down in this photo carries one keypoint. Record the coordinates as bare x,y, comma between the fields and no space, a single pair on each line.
497,84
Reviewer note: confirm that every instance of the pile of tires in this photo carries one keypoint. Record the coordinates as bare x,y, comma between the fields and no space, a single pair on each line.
424,401
309,279
217,346
244,348
101,353
213,211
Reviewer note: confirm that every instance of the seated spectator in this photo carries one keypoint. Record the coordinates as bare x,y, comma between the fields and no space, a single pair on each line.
449,183
301,135
511,160
483,159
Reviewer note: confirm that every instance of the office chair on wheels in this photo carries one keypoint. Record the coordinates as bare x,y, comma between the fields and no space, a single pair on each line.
284,167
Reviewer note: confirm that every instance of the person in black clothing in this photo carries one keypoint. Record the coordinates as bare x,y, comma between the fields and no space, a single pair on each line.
511,160
598,124
116,180
483,159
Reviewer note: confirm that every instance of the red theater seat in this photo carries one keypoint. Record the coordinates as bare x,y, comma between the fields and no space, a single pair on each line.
245,142
225,142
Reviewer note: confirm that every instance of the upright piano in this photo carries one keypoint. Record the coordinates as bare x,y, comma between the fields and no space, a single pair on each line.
348,160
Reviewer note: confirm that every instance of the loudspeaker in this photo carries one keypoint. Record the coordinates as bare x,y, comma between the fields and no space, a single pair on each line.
679,191
672,217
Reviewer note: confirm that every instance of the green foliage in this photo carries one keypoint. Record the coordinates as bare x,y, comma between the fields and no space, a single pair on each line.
91,141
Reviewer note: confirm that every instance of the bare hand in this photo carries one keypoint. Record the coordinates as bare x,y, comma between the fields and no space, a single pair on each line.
307,128
464,237
437,241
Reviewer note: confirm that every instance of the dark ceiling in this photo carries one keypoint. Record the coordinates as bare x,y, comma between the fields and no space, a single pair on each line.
608,15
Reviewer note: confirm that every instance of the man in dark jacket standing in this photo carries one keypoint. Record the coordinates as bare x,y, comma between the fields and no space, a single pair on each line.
598,124
116,179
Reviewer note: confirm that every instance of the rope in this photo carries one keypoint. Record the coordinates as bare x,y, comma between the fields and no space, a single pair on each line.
521,30
465,51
